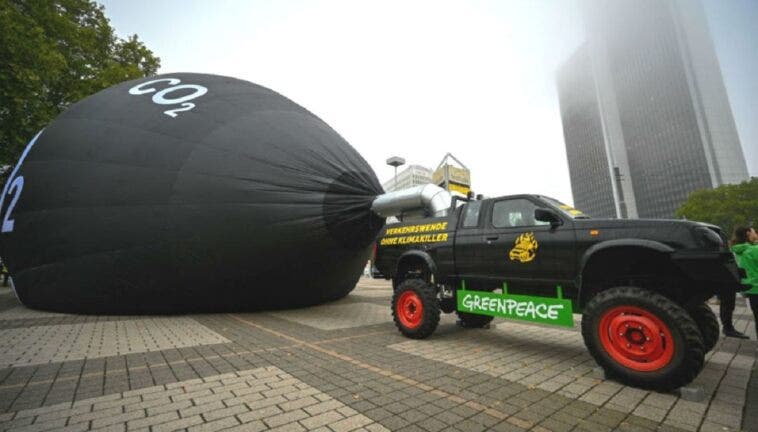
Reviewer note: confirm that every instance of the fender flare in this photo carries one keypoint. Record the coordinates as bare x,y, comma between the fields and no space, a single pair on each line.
417,254
650,245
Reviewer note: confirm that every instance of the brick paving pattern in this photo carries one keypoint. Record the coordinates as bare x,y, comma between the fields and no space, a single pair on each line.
341,316
561,364
57,343
337,367
21,312
257,399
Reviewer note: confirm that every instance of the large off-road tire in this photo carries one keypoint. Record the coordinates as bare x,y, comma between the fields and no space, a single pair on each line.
415,308
469,320
707,323
642,338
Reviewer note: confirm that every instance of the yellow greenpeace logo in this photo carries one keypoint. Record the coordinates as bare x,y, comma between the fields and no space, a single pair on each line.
525,248
414,239
413,229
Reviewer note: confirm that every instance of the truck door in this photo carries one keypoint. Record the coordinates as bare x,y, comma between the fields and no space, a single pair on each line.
515,245
468,243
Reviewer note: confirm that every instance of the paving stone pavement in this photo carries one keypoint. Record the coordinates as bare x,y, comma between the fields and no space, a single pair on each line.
21,312
337,367
57,343
341,316
251,400
561,364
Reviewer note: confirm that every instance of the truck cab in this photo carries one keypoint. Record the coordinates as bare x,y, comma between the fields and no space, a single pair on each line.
525,240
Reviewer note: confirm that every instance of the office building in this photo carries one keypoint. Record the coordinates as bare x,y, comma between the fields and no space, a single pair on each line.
583,133
660,125
413,175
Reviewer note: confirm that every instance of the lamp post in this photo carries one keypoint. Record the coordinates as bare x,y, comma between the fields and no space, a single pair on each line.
395,161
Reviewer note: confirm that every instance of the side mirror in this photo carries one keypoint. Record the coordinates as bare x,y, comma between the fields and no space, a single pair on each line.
547,215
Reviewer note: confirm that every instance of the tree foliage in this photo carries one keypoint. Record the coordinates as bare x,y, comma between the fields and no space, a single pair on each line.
52,54
727,206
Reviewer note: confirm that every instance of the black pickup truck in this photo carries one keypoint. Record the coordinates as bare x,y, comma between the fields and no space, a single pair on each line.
640,285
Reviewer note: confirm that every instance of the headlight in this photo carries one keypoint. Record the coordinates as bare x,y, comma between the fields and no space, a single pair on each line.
709,238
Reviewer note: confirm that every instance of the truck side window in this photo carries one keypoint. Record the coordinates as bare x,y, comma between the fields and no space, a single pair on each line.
471,214
516,212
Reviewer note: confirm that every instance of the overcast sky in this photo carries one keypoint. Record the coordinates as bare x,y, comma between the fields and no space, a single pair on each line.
418,79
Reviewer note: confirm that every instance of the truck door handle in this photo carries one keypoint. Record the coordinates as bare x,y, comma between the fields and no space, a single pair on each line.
492,238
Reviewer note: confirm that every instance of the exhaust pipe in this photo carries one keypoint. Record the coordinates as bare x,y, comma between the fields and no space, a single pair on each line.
431,198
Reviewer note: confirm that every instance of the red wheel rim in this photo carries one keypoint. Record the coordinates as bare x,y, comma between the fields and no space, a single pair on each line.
636,338
410,309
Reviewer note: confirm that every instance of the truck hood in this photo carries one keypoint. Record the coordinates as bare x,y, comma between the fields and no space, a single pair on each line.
633,223
675,233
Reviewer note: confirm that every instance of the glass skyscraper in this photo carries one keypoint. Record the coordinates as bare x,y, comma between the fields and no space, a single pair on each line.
645,114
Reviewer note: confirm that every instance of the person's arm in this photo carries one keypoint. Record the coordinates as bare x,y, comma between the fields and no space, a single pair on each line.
749,261
750,258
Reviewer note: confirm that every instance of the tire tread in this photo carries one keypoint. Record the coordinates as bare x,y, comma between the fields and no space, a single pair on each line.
428,296
693,357
707,323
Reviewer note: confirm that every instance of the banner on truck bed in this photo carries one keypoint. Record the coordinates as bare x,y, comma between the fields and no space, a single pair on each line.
544,310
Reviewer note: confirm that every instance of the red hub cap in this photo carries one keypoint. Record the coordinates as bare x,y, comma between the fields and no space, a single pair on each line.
409,309
636,338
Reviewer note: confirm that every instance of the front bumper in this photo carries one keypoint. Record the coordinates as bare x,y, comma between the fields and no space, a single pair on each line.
718,269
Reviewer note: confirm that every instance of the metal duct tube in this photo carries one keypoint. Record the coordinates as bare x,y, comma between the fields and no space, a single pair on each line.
428,197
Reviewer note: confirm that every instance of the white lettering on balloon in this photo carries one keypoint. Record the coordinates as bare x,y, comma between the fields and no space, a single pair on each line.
160,98
14,186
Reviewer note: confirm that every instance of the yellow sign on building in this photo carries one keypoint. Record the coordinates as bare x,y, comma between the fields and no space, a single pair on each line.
457,179
459,175
463,190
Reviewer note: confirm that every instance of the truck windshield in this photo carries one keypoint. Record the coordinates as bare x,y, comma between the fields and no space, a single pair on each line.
567,209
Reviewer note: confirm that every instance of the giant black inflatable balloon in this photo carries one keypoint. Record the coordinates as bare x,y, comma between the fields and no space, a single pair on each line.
186,192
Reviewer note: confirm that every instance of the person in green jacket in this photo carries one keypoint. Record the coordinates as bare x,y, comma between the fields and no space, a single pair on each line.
745,247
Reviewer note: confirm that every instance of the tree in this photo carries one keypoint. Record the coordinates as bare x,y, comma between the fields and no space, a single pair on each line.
52,54
727,206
